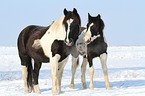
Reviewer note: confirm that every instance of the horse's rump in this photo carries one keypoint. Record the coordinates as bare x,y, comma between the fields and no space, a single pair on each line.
26,39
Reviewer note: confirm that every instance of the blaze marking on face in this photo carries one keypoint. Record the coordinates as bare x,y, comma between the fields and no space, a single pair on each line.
88,33
68,30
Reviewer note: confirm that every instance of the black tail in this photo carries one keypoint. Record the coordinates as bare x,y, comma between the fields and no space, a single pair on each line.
30,76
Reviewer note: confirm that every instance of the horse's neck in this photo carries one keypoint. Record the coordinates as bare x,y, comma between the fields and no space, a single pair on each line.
55,32
103,37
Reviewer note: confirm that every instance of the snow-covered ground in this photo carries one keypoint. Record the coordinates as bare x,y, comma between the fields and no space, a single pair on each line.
126,68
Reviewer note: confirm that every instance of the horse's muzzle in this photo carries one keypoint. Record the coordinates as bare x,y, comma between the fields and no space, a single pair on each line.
69,43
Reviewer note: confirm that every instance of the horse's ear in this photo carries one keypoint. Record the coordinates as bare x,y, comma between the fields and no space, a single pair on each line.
65,12
89,17
99,16
75,11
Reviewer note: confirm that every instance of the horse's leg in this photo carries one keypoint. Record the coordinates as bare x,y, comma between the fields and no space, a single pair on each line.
83,70
91,72
103,59
26,72
75,63
54,64
60,73
37,66
25,76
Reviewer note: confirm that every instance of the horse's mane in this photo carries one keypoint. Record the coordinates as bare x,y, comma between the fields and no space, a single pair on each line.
57,25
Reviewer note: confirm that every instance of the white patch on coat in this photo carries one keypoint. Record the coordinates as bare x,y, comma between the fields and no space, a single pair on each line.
56,31
61,66
88,33
25,74
91,72
54,72
68,30
36,89
36,44
103,59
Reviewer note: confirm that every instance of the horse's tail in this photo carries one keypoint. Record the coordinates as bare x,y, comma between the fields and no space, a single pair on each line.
26,60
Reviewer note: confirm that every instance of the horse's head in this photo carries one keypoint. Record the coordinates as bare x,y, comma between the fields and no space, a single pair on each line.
95,28
72,23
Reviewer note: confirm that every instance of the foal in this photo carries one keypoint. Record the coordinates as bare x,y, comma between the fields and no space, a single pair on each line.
91,44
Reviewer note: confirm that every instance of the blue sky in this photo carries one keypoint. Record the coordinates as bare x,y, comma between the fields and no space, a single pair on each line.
124,19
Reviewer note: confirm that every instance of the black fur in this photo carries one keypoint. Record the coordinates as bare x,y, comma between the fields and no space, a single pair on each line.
26,53
98,46
31,33
75,26
59,47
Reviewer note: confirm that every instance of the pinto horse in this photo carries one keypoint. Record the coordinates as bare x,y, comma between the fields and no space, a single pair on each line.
48,44
91,44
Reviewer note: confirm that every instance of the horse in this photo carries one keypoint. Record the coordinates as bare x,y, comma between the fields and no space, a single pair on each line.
48,44
90,44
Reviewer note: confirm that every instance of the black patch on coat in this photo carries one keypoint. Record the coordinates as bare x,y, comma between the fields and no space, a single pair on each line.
59,47
98,46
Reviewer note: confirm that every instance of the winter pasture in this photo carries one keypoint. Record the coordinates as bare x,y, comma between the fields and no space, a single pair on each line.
126,69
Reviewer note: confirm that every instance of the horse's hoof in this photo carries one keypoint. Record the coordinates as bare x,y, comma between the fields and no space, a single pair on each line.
72,86
26,91
84,85
109,88
91,87
36,89
55,92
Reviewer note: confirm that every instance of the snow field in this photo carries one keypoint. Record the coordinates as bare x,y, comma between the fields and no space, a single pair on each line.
126,69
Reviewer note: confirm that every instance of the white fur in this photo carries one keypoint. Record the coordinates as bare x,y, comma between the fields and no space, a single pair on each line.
36,44
61,66
54,67
25,74
103,59
68,30
88,33
56,31
91,72
36,89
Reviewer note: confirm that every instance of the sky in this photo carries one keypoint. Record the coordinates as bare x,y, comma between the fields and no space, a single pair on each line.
124,19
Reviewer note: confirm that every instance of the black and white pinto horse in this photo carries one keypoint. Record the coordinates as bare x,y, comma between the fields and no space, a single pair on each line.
48,44
91,44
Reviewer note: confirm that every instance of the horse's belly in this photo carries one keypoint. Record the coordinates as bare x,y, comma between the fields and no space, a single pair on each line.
38,54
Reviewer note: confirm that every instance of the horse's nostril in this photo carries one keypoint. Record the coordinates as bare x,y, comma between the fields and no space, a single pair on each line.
69,42
87,41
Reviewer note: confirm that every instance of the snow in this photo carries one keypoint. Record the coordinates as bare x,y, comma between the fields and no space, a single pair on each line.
126,69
